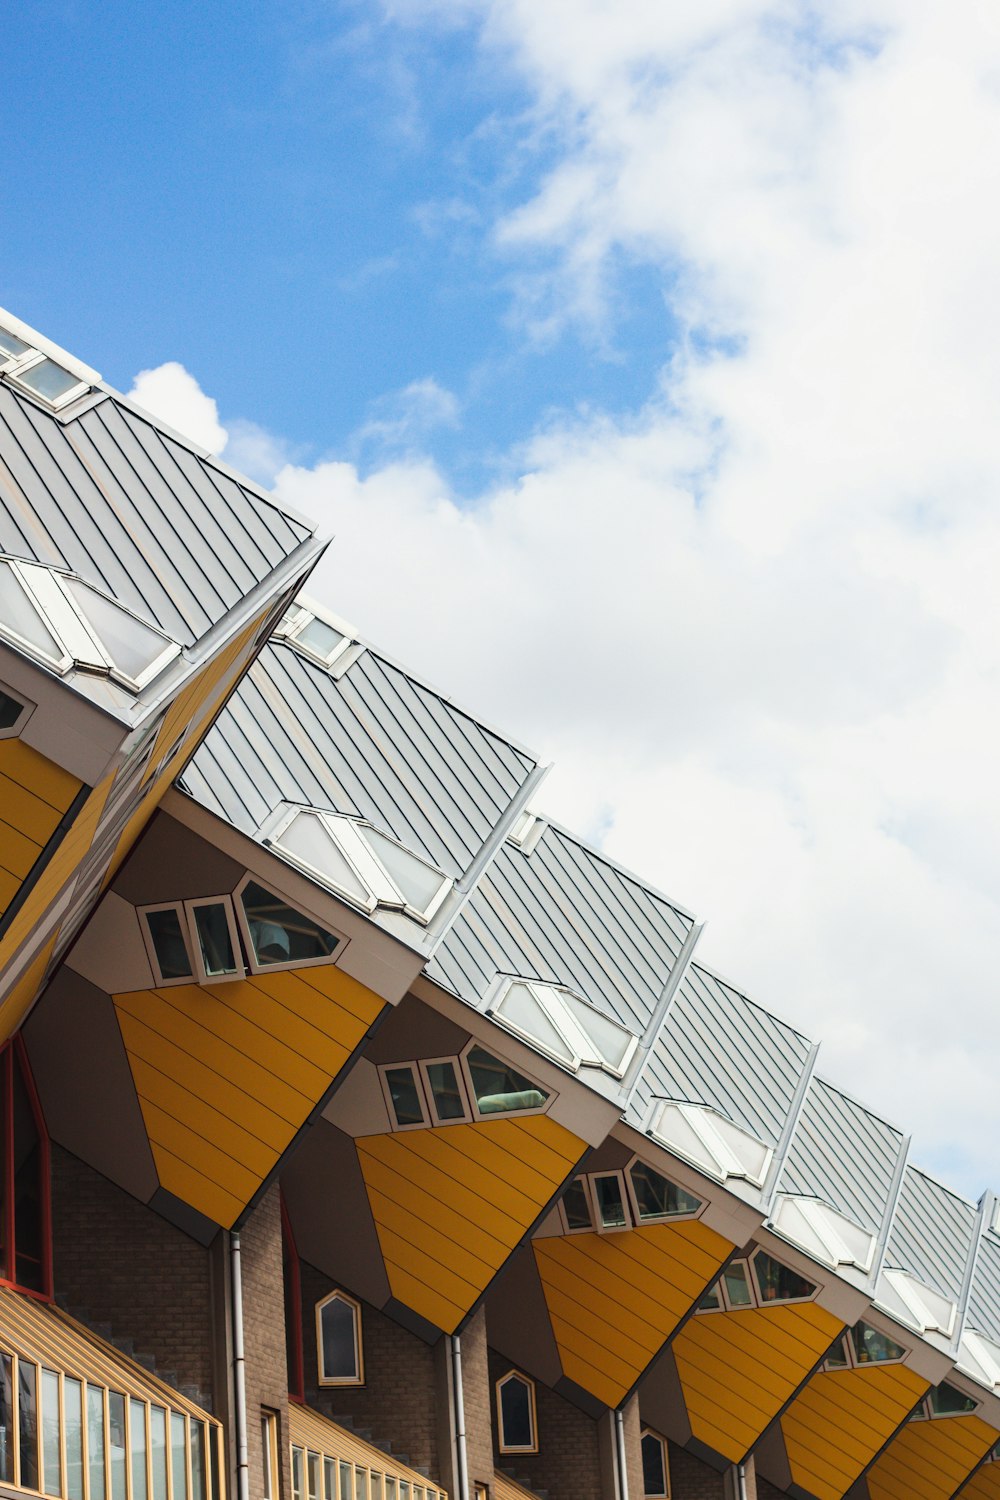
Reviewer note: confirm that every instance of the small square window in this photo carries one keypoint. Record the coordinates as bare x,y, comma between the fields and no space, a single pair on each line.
443,1085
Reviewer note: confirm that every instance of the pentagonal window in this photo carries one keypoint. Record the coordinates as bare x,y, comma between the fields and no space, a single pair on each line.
655,1197
779,1283
338,1340
14,714
517,1423
279,935
655,1473
497,1088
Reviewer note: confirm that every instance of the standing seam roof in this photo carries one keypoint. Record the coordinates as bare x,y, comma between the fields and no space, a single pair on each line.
932,1233
843,1154
984,1301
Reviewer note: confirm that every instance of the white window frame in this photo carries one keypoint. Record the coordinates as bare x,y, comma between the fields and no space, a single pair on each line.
13,731
361,858
425,1064
292,963
853,1363
359,1348
720,1159
633,1201
16,365
664,1494
201,974
583,1179
536,1109
297,617
147,938
756,1300
418,1083
762,1302
599,1225
502,1444
930,1415
579,1045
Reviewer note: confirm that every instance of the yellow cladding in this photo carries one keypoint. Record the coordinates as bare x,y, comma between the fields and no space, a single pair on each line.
450,1204
834,1428
930,1460
34,795
984,1484
227,1073
738,1369
614,1299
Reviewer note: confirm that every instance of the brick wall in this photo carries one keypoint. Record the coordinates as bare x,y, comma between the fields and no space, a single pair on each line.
397,1403
690,1479
568,1463
264,1336
476,1391
633,1449
117,1263
767,1491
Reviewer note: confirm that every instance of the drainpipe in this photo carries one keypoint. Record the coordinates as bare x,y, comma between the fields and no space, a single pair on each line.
459,1400
741,1481
620,1450
239,1371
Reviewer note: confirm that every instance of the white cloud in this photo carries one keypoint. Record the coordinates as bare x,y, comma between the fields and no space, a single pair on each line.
172,394
757,623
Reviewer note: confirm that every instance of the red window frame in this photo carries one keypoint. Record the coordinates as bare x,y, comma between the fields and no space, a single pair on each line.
14,1054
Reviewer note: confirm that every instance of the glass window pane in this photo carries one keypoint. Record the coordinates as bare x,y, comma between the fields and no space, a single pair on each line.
308,840
654,1473
946,1401
320,637
376,1487
778,1283
498,1088
19,614
360,1484
178,1457
338,1320
738,1292
520,1007
575,1205
711,1301
167,936
199,1478
610,1201
214,939
158,1451
610,1041
329,1479
656,1198
266,1456
11,345
407,1104
48,379
10,710
73,1404
130,643
95,1442
838,1358
6,1420
51,1434
28,1188
404,1490
298,1463
390,1488
516,1425
137,1443
27,1424
346,1482
446,1091
414,879
279,933
871,1347
116,1433
312,1475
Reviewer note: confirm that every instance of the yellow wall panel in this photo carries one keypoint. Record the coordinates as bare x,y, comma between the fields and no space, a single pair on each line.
227,1073
35,794
984,1485
450,1204
737,1369
30,769
930,1460
623,1294
834,1428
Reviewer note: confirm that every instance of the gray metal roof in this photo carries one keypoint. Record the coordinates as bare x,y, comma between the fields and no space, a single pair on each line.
843,1154
135,511
375,742
932,1233
719,1048
984,1299
565,914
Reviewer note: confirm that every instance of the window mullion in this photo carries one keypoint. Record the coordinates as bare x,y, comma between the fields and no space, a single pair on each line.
363,861
579,1045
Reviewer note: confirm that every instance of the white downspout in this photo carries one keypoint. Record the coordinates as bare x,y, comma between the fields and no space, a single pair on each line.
459,1400
239,1371
620,1450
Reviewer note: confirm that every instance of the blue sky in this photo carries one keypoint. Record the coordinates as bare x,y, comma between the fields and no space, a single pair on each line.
297,201
645,361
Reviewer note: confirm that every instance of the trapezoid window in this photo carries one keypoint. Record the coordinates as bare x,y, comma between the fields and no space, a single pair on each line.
403,1095
495,1088
202,942
947,1401
565,1026
360,862
68,623
623,1200
445,1090
278,934
717,1145
760,1281
655,1467
655,1198
864,1345
338,1340
33,371
517,1421
14,714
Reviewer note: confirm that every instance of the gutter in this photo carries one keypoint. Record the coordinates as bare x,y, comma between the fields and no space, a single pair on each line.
239,1372
458,1399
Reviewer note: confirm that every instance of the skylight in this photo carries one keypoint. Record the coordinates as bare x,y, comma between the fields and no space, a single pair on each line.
565,1025
321,638
916,1303
706,1138
67,623
824,1233
360,862
27,367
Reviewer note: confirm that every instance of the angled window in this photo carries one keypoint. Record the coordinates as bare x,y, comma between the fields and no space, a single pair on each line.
338,1340
946,1401
655,1198
565,1025
212,924
360,862
164,931
33,371
495,1088
779,1283
445,1091
823,1233
67,623
517,1422
14,714
279,936
403,1095
314,636
864,1345
655,1467
577,1215
608,1189
718,1146
760,1282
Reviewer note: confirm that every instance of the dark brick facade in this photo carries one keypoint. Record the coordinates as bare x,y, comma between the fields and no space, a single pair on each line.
476,1390
568,1462
118,1266
264,1336
690,1479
